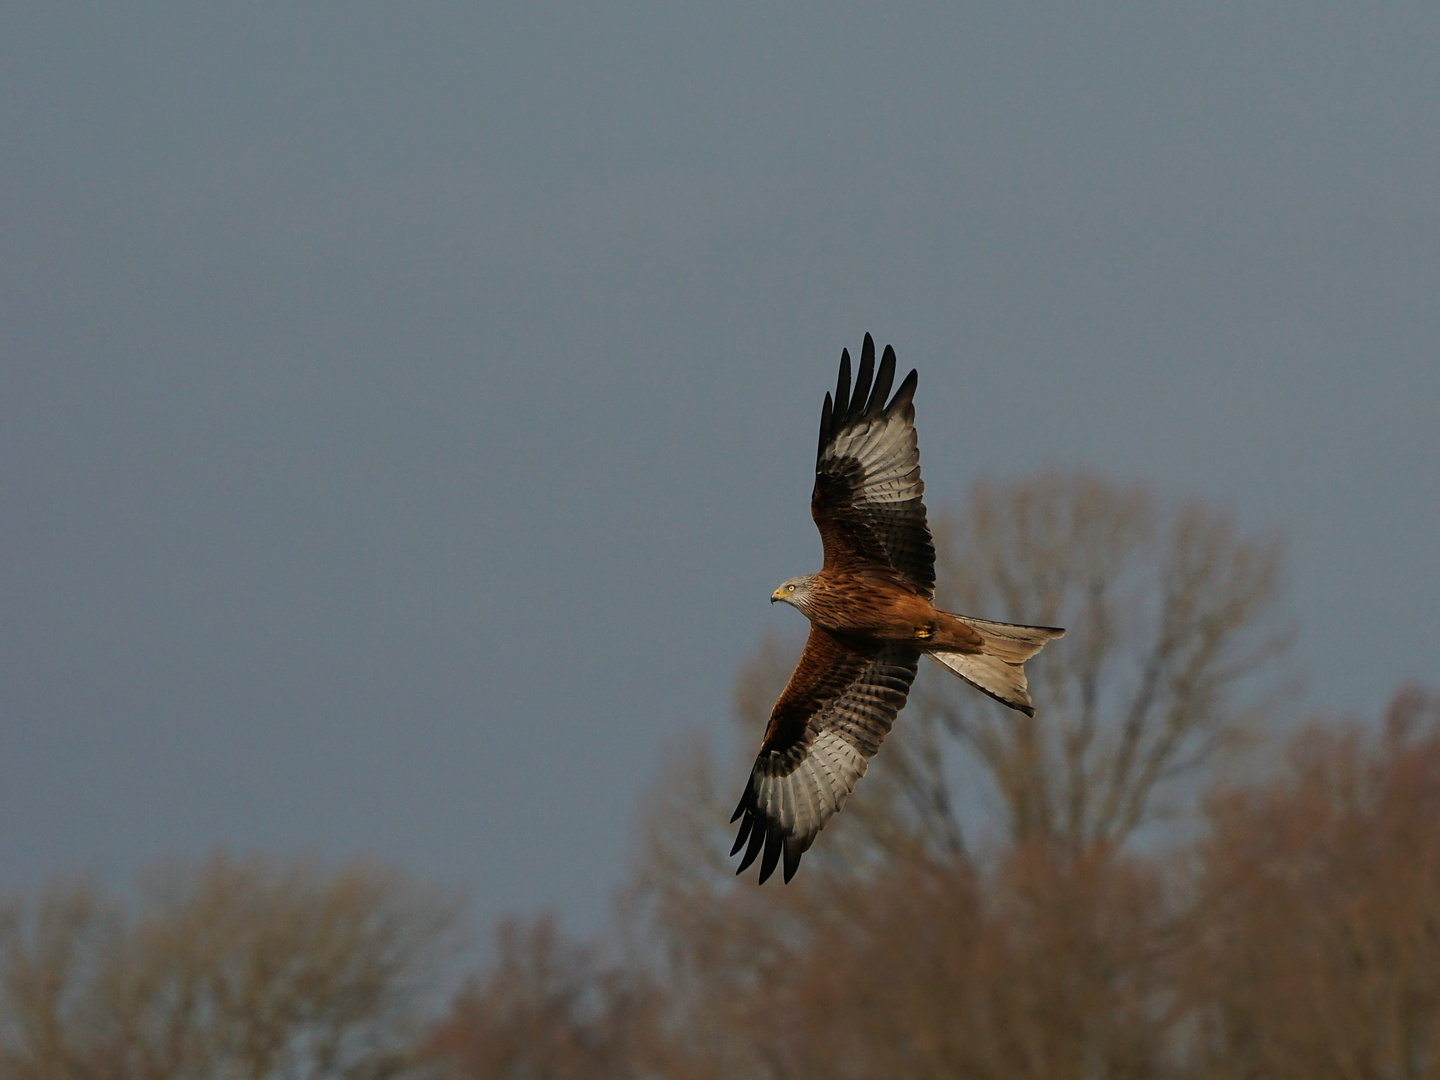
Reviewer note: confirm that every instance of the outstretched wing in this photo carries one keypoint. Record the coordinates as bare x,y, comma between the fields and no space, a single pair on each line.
867,500
828,722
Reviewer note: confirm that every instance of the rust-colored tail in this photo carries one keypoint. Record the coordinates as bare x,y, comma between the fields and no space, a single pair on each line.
997,667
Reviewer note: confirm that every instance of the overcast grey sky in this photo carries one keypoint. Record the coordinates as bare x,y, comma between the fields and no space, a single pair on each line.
405,410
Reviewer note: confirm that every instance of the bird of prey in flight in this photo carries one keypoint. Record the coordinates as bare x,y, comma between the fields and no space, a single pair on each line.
871,618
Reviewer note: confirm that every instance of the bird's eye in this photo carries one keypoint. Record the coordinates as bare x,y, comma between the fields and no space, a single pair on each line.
789,588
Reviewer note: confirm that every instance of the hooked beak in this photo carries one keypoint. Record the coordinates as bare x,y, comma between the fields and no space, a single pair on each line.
775,596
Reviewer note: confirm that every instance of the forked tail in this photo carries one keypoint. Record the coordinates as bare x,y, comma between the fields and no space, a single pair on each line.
997,667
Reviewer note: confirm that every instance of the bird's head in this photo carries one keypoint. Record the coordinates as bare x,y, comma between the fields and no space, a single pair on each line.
795,592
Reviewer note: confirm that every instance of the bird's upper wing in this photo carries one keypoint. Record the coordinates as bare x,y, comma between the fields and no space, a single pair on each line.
830,719
867,500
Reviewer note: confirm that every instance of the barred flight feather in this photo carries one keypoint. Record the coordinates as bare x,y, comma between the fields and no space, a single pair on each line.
869,461
805,772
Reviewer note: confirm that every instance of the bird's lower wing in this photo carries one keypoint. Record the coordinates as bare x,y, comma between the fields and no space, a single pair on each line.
829,721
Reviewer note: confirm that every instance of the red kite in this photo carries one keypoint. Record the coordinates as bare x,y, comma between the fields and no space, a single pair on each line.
871,618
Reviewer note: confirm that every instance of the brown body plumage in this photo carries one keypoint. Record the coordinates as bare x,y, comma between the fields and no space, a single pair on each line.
871,619
878,609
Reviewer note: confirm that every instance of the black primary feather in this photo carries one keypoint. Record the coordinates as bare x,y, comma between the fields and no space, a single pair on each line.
773,843
859,399
793,852
744,805
825,414
842,391
757,838
883,378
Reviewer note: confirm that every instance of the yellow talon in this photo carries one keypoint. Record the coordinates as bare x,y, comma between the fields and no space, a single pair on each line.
926,631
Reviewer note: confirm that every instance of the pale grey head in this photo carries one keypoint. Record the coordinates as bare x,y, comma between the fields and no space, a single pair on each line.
795,592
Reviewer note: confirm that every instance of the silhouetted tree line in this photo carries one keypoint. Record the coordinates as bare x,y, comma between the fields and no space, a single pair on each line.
1124,886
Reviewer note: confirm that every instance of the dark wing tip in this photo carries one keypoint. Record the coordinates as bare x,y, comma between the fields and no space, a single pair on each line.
883,379
743,834
744,813
757,839
906,394
757,835
842,388
744,805
866,399
774,844
793,851
826,412
859,400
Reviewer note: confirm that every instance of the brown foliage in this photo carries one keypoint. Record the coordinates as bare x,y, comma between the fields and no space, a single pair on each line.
1049,970
1299,938
1320,951
547,1009
239,968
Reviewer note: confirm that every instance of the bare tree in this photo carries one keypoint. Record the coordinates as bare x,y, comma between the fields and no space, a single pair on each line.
232,968
1298,939
1044,969
549,1009
1169,610
1317,945
1041,967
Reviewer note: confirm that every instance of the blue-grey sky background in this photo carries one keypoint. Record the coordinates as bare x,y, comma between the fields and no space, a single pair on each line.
405,410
